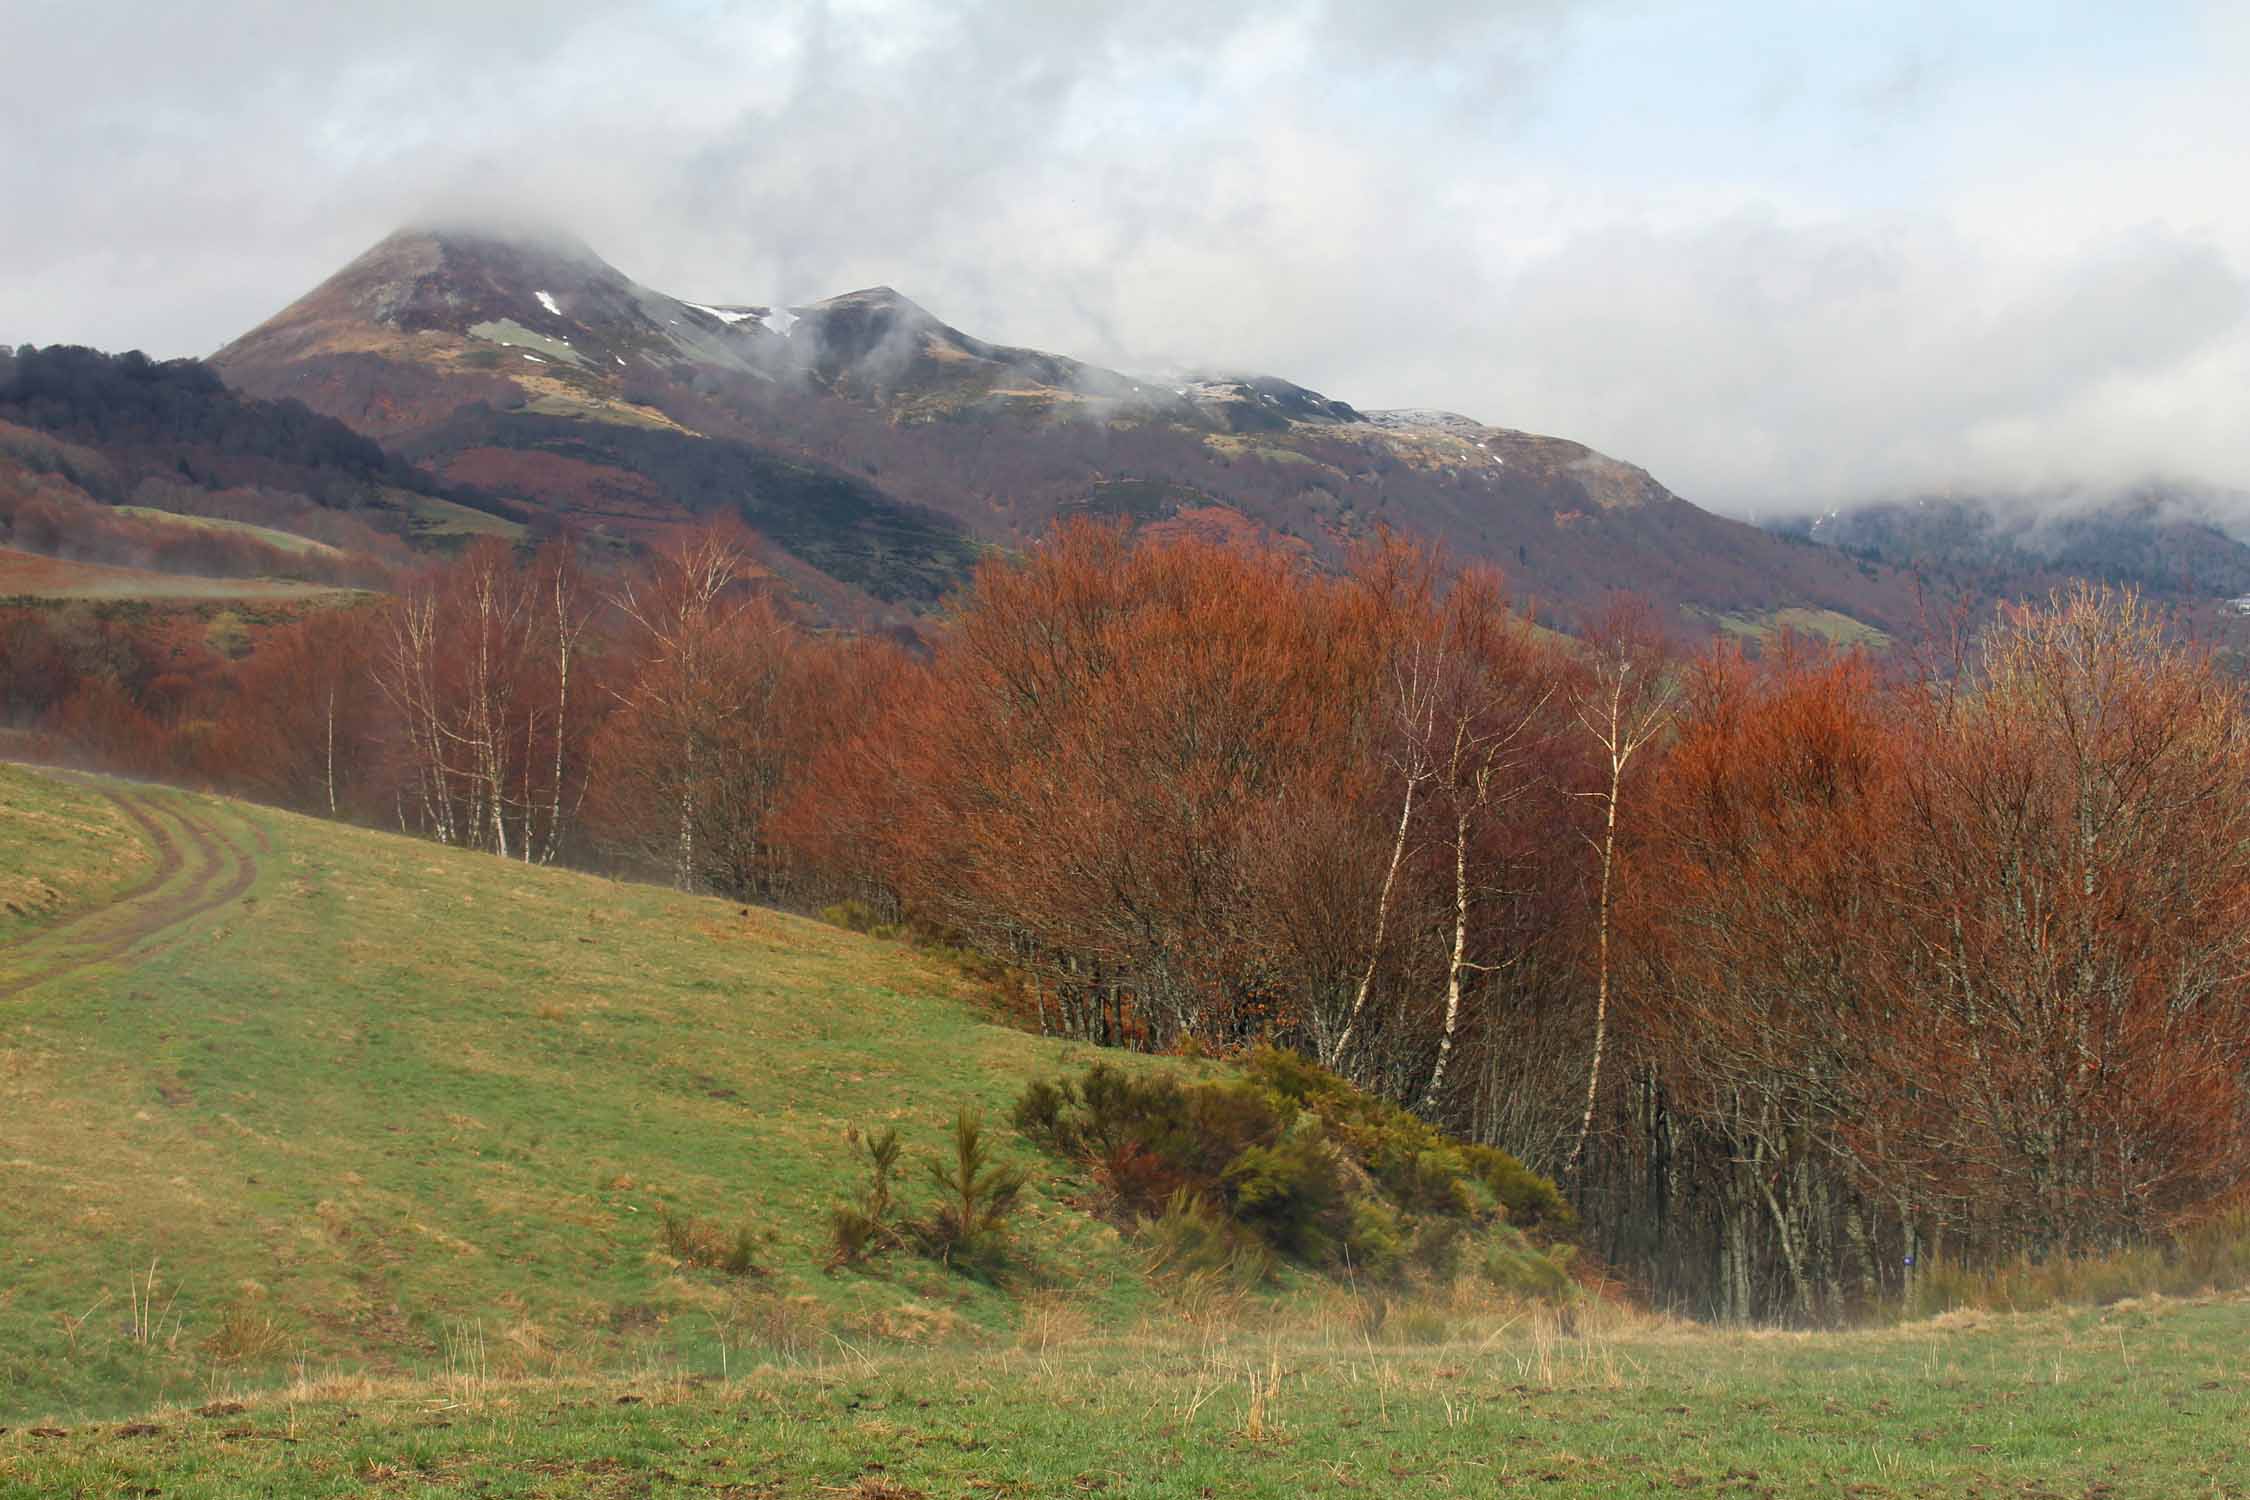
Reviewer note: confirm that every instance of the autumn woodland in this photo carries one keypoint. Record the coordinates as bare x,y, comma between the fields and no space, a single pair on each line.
1801,969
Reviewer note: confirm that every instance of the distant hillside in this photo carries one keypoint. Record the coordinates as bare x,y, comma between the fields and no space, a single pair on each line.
178,419
129,462
879,448
2174,543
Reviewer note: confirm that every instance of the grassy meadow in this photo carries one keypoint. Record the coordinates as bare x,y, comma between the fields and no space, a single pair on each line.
65,851
391,1091
337,1163
2140,1400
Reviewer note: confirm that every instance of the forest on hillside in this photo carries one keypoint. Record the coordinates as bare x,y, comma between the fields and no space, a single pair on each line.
176,419
125,461
1801,970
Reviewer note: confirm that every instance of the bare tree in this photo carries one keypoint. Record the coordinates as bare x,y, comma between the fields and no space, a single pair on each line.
1414,706
477,662
1624,700
695,758
1493,687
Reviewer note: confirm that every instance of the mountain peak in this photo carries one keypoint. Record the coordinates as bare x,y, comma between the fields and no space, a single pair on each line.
445,275
886,295
483,308
527,229
491,345
487,248
547,243
877,301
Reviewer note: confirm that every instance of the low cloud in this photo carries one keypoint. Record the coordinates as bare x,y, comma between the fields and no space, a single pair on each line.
1916,269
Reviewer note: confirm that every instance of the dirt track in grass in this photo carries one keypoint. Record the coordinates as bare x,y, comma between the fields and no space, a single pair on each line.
199,868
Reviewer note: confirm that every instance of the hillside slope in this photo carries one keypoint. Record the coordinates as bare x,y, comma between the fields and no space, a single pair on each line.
357,1101
30,576
2173,542
331,1164
126,461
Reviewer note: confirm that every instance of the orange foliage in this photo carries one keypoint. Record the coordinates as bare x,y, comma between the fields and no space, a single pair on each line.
1950,964
1885,965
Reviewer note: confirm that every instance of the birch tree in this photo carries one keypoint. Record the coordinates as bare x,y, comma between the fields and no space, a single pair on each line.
696,755
1493,685
1623,701
476,663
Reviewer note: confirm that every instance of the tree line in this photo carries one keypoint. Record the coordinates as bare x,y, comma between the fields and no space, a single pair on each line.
1803,970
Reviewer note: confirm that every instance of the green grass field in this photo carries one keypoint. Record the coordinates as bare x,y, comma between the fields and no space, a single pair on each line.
333,1163
65,852
348,1093
2139,1401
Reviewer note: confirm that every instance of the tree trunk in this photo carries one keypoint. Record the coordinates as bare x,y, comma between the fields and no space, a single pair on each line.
1336,1055
1601,982
1460,960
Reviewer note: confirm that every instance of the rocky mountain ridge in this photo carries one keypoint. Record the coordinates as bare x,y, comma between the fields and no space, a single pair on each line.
881,449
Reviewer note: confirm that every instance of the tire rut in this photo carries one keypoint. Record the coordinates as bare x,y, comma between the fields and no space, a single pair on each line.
150,910
168,862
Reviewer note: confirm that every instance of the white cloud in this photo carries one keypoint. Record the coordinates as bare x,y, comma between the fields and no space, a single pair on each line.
1777,261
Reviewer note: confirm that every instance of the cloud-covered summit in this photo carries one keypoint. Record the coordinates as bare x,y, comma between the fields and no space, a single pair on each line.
1785,258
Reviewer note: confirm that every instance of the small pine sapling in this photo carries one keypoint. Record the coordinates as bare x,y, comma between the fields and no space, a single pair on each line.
866,1225
968,1228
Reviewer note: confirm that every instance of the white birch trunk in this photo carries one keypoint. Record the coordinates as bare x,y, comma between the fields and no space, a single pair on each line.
1337,1054
1460,960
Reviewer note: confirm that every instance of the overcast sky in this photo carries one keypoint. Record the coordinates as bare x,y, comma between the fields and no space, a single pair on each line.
1783,255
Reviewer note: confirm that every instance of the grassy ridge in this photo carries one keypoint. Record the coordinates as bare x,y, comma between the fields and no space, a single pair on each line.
395,1091
286,541
433,518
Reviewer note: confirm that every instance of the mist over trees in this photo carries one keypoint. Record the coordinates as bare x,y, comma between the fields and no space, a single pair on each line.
1803,970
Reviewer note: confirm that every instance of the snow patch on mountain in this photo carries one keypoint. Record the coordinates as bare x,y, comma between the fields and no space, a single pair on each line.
1422,416
722,314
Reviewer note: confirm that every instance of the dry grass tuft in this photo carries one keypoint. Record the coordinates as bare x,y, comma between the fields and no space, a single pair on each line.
915,1323
2209,1257
791,1328
245,1335
1051,1321
712,1247
1259,1425
875,1487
